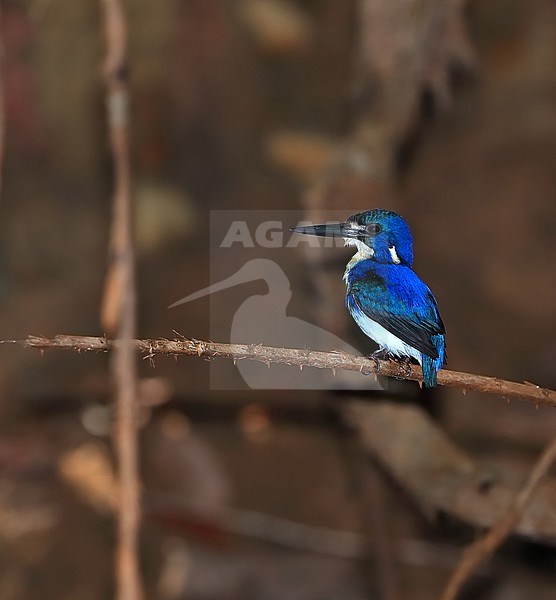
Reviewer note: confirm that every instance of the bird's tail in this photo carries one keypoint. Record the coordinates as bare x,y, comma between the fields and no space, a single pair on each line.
431,366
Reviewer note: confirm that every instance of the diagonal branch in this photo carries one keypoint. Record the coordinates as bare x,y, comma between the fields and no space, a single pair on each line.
302,358
486,545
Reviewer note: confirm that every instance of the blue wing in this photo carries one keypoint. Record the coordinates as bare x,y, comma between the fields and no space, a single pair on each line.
394,297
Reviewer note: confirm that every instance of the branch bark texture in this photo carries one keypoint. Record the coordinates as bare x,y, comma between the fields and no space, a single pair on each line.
302,358
119,302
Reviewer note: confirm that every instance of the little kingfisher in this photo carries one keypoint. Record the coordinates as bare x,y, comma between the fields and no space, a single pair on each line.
386,298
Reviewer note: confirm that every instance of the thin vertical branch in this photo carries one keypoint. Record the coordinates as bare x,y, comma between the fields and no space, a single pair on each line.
2,105
119,303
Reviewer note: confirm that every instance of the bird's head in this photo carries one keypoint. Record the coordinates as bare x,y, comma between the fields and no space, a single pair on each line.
384,233
379,234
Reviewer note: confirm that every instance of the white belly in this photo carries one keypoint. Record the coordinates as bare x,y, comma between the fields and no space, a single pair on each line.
386,340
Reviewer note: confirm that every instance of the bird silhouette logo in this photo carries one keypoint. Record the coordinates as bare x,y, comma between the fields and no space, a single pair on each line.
263,319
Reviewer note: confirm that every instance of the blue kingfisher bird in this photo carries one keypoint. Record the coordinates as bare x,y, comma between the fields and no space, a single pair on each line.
386,298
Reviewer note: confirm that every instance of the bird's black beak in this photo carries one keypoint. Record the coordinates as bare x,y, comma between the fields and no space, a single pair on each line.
338,230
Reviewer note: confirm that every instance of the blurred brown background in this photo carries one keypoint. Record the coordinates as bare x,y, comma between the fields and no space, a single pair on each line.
442,111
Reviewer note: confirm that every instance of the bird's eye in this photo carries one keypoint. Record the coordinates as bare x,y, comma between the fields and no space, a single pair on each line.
373,228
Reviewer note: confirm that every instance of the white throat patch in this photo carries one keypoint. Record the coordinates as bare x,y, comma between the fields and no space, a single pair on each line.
363,253
395,258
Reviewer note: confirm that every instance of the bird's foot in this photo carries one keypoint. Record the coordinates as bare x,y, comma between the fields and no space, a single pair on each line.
405,367
377,355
